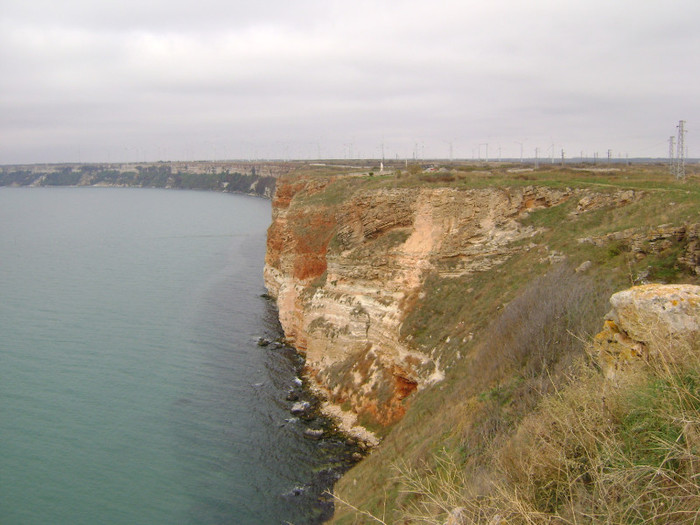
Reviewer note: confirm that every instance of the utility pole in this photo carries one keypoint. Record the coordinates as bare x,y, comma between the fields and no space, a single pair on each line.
680,151
537,158
562,157
449,143
671,158
487,150
521,150
609,156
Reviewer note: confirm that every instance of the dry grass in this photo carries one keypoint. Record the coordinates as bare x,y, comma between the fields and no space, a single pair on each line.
591,453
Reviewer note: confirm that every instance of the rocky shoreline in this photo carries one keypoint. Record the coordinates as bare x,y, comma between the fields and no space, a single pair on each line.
338,450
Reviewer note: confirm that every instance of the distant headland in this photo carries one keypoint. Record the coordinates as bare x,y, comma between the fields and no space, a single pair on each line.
255,178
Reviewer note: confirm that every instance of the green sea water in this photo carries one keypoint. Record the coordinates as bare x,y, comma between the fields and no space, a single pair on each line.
132,389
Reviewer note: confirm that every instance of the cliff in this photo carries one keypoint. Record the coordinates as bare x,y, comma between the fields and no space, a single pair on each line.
231,177
452,313
347,265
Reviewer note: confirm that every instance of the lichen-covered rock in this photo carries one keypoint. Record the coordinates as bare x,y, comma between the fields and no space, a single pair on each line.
651,322
655,310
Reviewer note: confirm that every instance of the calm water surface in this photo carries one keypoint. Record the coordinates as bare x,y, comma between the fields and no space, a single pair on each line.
132,389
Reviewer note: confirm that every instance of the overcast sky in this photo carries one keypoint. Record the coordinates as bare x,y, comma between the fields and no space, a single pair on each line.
96,81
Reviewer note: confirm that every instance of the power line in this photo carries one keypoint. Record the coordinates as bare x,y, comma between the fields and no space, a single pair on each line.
671,157
487,150
521,150
680,151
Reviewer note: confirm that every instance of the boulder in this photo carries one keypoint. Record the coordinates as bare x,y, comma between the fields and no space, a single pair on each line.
650,323
312,433
649,312
300,408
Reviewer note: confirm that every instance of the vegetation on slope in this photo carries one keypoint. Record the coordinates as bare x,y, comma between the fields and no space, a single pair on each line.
517,431
590,453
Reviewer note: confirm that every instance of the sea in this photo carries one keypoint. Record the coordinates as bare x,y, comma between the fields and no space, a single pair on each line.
133,386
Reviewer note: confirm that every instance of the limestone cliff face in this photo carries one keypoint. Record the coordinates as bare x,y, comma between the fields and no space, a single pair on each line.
347,267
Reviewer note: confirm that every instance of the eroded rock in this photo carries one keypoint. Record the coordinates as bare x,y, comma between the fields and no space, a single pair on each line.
346,271
658,322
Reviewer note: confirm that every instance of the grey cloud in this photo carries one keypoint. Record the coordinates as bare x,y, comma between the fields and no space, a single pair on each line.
251,76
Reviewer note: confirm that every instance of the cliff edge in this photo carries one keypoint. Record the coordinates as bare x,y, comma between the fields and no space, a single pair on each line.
347,262
450,314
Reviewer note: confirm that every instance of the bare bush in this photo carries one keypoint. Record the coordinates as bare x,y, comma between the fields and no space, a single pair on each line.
546,323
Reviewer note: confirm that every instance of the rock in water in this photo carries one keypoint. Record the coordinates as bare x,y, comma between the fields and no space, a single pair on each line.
300,407
313,433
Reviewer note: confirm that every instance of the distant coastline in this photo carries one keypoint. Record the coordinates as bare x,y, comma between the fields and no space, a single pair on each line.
252,178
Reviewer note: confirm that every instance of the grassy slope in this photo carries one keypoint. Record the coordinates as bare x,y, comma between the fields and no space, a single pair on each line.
504,360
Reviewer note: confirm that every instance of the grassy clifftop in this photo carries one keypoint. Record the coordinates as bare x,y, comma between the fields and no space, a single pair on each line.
522,428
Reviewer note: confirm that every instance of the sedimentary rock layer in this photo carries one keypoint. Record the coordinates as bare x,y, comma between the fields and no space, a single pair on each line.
347,265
